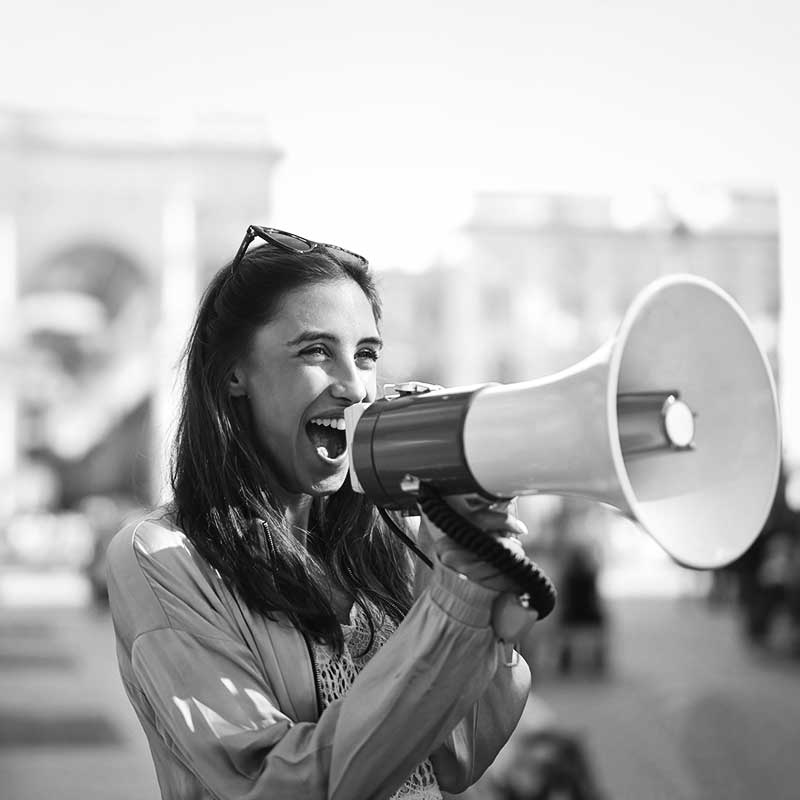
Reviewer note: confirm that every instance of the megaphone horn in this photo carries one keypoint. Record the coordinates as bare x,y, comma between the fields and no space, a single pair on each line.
674,422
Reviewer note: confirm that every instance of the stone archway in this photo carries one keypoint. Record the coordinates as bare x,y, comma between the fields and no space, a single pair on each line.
95,268
88,314
92,208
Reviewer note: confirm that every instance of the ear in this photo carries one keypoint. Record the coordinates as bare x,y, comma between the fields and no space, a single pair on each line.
236,385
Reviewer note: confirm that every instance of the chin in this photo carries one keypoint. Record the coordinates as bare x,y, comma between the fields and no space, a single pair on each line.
328,485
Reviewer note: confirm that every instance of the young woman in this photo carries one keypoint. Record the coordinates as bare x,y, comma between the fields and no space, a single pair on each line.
274,637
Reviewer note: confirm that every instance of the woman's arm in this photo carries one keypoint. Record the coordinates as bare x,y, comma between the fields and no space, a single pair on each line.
217,713
476,740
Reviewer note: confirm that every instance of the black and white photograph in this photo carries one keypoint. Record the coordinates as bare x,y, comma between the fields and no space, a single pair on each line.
399,402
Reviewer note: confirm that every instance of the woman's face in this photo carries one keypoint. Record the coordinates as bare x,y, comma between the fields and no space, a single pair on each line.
315,358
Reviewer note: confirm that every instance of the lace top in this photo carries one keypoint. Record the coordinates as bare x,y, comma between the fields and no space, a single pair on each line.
335,674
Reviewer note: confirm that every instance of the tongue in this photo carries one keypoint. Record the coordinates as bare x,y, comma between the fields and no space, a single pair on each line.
329,442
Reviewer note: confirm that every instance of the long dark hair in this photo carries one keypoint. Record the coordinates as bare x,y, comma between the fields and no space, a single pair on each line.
224,490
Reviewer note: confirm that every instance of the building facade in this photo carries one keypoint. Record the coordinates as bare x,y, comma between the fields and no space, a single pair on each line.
543,280
108,227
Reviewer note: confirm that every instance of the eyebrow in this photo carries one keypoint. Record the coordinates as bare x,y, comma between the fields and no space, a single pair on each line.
312,336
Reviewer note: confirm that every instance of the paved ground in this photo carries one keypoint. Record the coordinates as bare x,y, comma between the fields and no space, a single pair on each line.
66,730
685,712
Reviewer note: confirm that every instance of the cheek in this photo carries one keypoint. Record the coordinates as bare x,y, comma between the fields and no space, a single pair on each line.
282,405
276,420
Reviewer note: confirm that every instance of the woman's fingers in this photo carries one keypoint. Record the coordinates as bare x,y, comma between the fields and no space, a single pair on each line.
475,568
498,521
490,517
495,519
510,618
463,561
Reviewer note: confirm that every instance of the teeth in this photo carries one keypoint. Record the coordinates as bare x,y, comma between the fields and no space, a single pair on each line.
330,422
323,451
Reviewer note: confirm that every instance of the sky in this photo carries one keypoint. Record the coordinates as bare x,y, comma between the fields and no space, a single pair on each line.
391,118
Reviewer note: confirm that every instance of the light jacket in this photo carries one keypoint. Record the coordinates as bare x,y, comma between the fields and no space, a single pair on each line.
227,697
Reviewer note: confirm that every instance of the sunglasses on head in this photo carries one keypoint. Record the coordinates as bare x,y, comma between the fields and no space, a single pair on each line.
290,242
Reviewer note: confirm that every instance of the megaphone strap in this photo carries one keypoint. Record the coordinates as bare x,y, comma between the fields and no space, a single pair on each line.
525,572
397,530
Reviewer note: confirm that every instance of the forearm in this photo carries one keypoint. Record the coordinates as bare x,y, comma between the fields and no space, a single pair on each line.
479,736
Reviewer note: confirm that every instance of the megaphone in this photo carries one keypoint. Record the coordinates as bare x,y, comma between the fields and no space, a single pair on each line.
673,422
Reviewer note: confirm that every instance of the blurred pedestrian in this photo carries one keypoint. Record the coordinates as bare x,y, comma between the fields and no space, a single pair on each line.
269,637
581,614
542,760
549,764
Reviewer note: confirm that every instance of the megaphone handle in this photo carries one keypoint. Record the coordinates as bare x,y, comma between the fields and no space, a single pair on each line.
525,572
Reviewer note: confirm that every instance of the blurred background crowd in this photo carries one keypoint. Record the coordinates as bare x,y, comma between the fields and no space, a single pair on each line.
515,182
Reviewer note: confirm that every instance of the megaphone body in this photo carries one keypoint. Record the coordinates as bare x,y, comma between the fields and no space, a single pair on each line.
674,422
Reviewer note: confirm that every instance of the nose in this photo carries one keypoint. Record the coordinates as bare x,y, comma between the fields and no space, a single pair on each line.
349,383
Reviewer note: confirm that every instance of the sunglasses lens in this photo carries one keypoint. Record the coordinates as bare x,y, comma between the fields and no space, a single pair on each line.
291,242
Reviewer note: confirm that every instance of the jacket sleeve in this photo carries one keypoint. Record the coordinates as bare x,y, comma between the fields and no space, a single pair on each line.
476,740
214,709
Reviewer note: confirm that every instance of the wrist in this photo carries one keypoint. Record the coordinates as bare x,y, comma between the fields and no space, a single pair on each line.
469,602
512,616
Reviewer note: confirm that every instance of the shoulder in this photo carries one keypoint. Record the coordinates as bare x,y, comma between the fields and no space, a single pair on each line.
145,541
156,579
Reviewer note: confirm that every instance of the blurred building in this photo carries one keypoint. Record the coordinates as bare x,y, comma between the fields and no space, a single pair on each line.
107,229
544,279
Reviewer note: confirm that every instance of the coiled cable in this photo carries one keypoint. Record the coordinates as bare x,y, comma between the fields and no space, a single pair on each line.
529,577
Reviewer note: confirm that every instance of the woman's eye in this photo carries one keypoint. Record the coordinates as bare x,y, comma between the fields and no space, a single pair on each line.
315,351
367,354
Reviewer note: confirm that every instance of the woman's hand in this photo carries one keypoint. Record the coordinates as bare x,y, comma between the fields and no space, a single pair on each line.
496,520
510,619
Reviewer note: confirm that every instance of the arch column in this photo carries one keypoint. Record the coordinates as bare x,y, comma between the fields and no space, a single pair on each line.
178,294
8,346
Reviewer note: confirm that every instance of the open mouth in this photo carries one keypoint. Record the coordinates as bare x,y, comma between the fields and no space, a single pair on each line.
328,436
